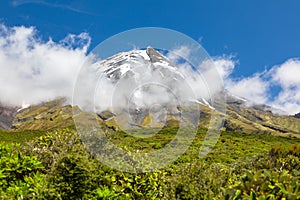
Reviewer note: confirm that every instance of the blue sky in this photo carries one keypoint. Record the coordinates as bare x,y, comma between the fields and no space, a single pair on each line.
260,34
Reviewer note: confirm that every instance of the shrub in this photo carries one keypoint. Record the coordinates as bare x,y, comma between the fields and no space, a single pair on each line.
149,185
72,173
273,176
19,174
198,180
265,184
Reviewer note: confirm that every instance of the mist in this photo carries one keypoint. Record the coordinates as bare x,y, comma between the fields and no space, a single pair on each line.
34,70
143,84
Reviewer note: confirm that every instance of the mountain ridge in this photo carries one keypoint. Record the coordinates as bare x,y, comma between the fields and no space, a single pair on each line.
241,116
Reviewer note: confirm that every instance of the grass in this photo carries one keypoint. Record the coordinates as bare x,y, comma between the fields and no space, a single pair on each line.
22,136
230,148
70,170
19,136
238,147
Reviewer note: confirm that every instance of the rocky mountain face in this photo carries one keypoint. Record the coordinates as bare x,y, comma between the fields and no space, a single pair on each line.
239,118
7,116
241,115
148,87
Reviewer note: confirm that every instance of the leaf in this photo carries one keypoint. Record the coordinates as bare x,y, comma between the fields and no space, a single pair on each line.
271,186
237,195
282,188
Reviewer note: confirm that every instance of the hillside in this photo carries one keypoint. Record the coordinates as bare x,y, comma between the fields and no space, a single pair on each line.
7,116
128,67
44,116
255,157
240,118
258,119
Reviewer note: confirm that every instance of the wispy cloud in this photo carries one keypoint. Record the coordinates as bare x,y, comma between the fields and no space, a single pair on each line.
54,5
33,70
257,88
286,76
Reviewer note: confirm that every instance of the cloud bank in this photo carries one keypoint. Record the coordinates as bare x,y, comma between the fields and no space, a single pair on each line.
258,87
287,76
33,70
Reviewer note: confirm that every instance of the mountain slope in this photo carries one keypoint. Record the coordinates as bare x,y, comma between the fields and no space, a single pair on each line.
258,119
44,116
7,115
240,118
242,115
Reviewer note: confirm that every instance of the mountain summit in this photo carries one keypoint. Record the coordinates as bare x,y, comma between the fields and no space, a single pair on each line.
144,89
154,55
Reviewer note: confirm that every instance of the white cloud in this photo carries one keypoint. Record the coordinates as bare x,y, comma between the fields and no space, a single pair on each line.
33,70
179,53
225,65
287,76
209,80
257,88
253,88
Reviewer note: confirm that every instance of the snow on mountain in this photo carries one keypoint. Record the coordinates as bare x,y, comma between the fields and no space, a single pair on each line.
143,77
139,82
237,97
204,102
24,105
118,65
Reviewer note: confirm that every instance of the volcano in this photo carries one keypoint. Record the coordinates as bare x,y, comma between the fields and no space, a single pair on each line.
145,89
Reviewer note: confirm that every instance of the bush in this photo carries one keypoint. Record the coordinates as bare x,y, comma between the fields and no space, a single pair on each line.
72,173
198,180
57,166
149,185
265,184
19,174
273,176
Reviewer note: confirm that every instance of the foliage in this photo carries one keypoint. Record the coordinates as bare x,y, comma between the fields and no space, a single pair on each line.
19,136
55,165
72,173
19,174
265,184
198,180
139,186
273,176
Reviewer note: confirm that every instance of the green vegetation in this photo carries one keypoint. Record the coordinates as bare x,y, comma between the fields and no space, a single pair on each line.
19,136
55,165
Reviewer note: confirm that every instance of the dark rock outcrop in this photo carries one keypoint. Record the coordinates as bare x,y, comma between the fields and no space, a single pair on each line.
7,116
